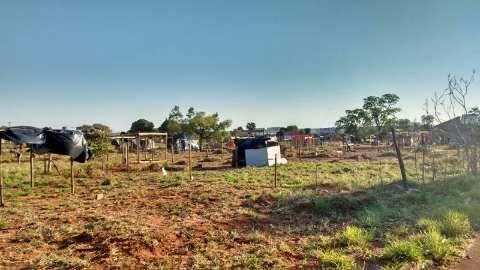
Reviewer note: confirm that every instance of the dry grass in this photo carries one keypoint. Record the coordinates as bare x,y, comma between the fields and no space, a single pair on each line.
231,218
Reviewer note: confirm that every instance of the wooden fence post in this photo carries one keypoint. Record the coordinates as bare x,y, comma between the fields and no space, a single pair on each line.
190,161
32,184
138,148
2,202
423,164
72,180
126,159
275,171
49,164
316,176
166,148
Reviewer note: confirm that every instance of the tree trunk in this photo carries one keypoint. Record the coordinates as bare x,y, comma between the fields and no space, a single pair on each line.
400,160
200,143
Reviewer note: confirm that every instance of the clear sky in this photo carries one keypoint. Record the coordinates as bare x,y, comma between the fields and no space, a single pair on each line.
274,62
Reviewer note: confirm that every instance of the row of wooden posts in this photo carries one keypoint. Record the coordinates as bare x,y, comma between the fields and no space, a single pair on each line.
32,173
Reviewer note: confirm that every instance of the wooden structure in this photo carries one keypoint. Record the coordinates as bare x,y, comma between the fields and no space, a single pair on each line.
127,142
32,171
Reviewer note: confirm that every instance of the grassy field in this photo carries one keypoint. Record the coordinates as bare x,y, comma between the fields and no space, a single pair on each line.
325,213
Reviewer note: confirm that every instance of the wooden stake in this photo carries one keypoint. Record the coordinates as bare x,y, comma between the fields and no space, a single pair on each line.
316,176
2,202
72,180
49,164
138,148
45,165
423,164
190,161
166,147
275,171
126,159
400,160
173,153
434,166
31,168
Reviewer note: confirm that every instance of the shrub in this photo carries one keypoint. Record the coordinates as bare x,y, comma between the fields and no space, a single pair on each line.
455,224
332,259
426,224
353,236
403,251
436,246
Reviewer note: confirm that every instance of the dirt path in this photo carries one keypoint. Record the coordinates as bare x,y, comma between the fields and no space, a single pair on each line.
472,262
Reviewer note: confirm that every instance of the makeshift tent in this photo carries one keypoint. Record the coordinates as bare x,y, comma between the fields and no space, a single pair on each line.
41,141
23,135
62,142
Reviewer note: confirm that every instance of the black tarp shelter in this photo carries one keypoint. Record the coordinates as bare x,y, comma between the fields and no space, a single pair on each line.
70,143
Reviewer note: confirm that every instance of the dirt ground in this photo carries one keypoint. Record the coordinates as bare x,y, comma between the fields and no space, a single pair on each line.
142,220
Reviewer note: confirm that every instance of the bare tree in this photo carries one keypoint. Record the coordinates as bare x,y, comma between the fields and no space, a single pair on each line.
451,106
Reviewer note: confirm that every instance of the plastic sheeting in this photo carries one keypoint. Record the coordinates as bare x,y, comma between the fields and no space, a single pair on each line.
242,144
62,142
23,135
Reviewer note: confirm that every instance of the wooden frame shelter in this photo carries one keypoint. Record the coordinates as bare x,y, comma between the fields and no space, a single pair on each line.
150,135
127,140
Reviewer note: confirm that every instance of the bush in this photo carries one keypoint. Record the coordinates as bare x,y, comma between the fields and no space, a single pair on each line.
455,224
426,224
334,260
353,236
403,251
434,245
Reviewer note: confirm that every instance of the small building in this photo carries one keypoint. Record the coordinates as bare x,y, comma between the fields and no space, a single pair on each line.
256,152
454,130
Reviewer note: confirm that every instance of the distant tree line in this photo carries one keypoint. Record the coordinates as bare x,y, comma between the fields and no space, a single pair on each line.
200,125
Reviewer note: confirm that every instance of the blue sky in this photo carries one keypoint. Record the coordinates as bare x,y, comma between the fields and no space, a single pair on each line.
277,62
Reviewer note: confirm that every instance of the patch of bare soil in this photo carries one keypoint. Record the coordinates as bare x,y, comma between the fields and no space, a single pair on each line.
472,260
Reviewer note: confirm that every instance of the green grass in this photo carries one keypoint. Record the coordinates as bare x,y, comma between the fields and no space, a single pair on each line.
353,216
3,223
455,224
353,236
437,247
54,261
403,251
333,259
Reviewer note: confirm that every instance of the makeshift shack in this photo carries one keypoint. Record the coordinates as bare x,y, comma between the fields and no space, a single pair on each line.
46,141
256,152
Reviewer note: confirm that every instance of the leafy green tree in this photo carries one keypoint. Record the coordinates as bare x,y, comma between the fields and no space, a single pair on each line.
380,112
175,114
237,131
190,113
208,127
475,110
251,126
405,124
142,125
171,126
307,131
291,128
97,136
175,123
352,121
427,121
